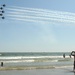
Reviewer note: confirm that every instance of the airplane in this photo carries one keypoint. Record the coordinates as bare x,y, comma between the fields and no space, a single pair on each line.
3,5
1,14
1,8
3,17
2,11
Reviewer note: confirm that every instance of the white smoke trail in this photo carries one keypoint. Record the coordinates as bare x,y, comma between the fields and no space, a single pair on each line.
28,20
40,15
41,18
43,10
22,11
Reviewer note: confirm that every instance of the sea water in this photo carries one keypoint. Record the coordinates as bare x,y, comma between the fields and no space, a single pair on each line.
30,59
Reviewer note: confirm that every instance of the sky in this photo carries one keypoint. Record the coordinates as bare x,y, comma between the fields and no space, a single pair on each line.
37,26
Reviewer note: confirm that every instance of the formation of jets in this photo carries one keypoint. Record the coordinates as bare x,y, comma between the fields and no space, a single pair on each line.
2,11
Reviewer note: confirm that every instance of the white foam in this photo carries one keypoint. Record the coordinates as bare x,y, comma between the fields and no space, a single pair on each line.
63,66
32,57
18,61
54,60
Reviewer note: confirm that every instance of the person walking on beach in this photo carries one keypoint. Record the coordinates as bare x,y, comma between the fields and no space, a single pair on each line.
64,55
1,64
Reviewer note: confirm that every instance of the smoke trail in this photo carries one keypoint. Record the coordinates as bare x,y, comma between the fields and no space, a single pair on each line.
34,14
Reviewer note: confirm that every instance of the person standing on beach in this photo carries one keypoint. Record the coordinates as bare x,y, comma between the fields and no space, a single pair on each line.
64,55
1,64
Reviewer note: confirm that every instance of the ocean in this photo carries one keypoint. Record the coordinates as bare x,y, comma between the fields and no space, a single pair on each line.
36,60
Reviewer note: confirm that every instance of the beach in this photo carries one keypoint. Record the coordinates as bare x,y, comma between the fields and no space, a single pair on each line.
42,63
58,71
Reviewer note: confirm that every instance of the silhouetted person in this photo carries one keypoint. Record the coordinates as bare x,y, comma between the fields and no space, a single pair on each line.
64,55
1,64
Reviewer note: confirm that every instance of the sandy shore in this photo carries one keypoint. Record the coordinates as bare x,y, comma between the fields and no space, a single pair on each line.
62,71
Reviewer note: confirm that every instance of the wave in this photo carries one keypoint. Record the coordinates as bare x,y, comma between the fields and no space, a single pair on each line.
36,60
63,66
32,57
21,61
16,61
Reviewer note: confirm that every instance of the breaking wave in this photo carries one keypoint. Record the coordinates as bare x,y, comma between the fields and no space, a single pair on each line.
30,57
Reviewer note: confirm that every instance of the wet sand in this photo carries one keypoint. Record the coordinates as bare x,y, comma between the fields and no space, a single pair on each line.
62,71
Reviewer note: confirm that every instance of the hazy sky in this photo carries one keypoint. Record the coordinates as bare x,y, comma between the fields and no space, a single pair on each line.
38,25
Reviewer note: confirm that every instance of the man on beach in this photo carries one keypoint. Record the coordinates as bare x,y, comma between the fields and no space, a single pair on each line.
1,64
64,55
